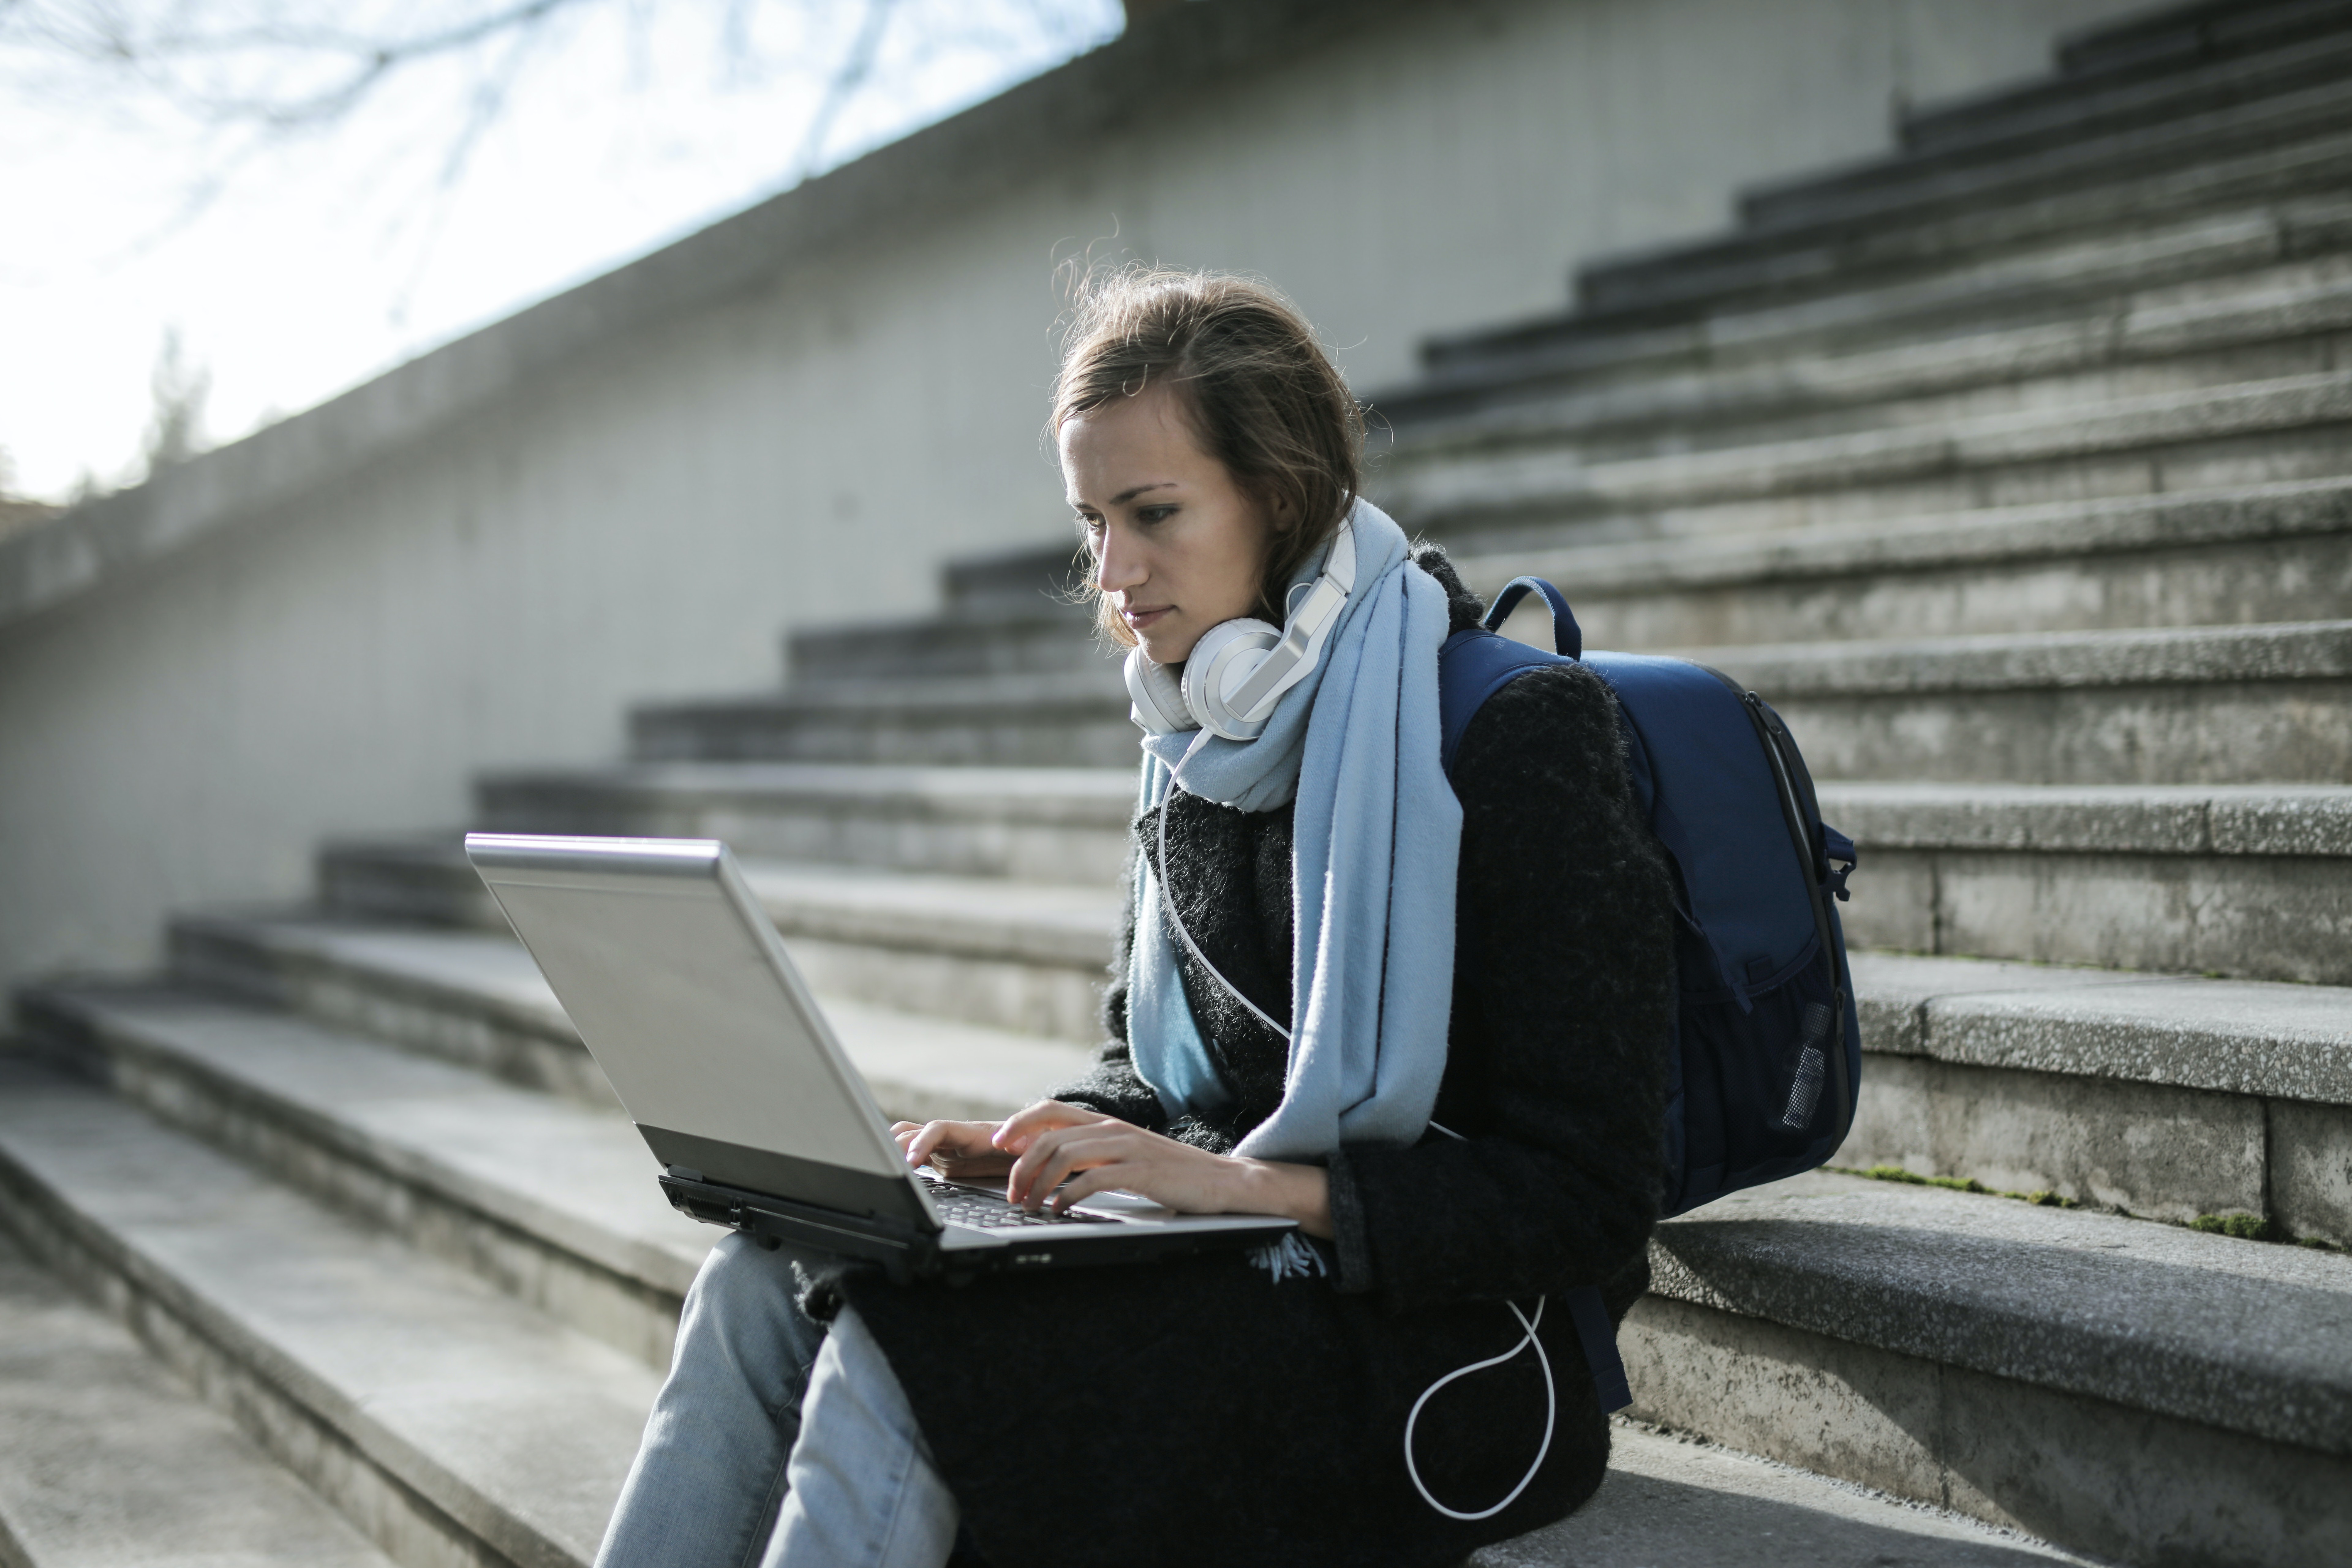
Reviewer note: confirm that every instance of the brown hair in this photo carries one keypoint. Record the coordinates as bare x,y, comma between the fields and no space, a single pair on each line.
1262,396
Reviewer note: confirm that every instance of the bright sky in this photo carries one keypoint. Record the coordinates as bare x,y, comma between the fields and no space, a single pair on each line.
331,256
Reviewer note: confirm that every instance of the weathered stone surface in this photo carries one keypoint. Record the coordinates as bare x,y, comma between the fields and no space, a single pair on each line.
1958,579
1055,825
444,1417
2143,820
2124,1483
2187,733
470,997
107,1461
1076,717
477,998
2170,1153
2292,1042
2311,1170
1880,464
552,1201
1670,1499
2220,915
2135,656
1824,1402
2241,1336
1810,264
996,918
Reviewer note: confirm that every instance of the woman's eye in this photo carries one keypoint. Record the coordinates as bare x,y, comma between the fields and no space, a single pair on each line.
1154,514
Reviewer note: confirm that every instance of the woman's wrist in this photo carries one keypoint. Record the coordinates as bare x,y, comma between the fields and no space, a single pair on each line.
1302,1192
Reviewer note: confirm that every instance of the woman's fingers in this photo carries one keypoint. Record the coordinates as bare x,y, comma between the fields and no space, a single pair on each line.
1126,1156
1014,1133
1086,1183
1052,1156
950,1140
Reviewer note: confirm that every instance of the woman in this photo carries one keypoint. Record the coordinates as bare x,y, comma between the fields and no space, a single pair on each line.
1428,1022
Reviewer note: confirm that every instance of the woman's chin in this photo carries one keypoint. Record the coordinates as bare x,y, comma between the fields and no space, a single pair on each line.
1166,647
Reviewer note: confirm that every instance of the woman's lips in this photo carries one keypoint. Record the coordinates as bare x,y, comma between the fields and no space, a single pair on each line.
1150,615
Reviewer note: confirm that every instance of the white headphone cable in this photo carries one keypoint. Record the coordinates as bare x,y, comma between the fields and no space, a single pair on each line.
1167,902
1551,1398
1530,1325
1552,1412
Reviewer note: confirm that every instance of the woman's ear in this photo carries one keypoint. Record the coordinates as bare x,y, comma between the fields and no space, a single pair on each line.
1281,514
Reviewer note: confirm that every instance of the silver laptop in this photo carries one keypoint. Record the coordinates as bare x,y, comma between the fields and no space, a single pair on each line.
684,994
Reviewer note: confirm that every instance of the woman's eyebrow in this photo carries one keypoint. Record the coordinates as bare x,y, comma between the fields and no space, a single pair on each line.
1128,495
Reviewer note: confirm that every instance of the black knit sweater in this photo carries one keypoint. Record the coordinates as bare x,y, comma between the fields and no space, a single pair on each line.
1195,1411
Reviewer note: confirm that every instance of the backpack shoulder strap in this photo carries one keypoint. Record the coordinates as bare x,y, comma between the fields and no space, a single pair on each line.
1474,665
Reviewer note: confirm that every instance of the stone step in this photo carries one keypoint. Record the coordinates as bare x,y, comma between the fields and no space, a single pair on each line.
2159,285
2216,94
2168,1095
2130,1389
417,1379
2248,881
1741,272
1800,242
1074,719
453,1423
2253,554
1670,1499
994,640
2229,705
108,1461
1044,825
1025,956
2105,71
2170,35
550,1200
1742,1272
2208,437
475,997
1011,955
1013,581
2243,553
2013,332
2226,704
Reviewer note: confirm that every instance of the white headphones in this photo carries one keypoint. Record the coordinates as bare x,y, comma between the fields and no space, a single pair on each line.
1239,669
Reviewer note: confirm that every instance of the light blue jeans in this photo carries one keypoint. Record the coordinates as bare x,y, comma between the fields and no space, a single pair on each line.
776,1443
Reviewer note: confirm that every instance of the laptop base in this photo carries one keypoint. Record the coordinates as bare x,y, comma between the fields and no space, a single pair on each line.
907,1254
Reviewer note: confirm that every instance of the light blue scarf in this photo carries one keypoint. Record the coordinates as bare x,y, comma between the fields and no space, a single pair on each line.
1375,835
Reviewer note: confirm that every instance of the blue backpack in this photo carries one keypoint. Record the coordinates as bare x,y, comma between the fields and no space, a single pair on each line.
1767,1048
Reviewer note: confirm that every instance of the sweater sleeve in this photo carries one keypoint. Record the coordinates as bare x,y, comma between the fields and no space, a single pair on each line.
1562,1013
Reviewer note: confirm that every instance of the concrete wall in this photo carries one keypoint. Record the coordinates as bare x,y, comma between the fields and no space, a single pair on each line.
631,491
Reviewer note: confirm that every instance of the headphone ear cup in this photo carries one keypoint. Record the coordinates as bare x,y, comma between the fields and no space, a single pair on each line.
1223,659
1157,695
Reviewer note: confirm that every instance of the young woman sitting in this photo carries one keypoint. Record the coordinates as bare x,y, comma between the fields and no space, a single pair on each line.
1426,1018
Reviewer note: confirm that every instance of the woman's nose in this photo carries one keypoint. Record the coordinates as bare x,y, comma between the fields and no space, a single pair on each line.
1120,565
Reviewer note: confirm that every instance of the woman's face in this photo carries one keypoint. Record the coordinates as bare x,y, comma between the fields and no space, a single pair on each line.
1177,545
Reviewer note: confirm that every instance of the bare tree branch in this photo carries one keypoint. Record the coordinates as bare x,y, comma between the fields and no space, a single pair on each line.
846,78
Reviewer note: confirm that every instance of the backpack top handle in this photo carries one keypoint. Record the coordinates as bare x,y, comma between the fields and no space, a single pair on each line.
1567,636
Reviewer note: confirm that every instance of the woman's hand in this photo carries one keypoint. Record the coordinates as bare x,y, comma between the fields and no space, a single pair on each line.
1102,1153
969,1151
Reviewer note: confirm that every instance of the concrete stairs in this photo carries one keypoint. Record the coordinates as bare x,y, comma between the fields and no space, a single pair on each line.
115,1463
2012,467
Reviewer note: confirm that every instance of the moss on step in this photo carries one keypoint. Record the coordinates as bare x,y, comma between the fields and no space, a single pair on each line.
2042,1199
2243,1226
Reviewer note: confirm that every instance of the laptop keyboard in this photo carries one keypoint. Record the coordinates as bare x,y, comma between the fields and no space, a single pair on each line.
988,1211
